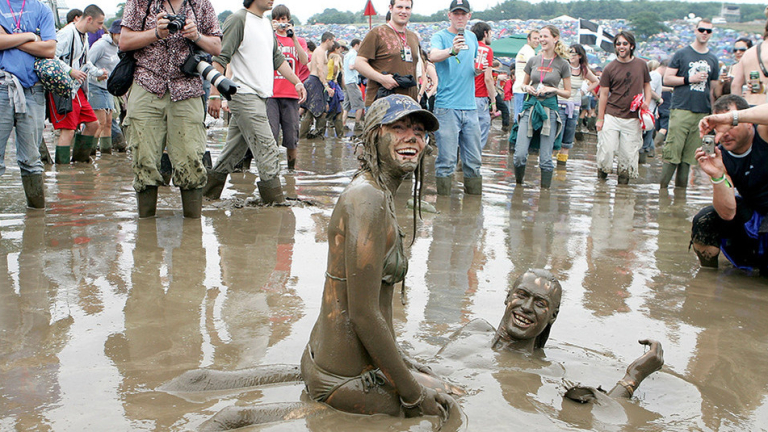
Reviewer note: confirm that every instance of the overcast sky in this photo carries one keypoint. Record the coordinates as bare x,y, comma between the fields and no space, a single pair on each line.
304,9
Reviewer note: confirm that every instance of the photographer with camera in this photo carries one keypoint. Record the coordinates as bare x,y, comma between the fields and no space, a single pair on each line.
735,224
164,106
283,106
249,125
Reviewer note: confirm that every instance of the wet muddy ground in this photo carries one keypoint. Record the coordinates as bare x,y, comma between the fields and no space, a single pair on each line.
98,309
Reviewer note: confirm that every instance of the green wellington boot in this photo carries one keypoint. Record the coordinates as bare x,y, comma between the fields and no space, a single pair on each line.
62,155
192,202
34,189
215,185
546,179
681,179
473,185
105,145
271,191
81,150
519,174
667,171
147,201
443,185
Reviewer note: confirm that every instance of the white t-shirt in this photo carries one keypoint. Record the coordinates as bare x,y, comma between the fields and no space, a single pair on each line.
525,54
251,65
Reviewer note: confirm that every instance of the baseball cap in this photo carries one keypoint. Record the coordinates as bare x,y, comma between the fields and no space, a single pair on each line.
459,4
392,108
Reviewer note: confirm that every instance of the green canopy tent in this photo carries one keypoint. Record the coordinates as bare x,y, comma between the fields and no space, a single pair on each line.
508,46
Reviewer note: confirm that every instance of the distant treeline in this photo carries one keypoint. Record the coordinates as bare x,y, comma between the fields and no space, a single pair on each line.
588,9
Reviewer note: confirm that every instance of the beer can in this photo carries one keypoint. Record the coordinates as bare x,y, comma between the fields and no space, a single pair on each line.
754,76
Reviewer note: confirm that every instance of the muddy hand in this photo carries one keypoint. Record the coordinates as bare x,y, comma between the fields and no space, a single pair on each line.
647,363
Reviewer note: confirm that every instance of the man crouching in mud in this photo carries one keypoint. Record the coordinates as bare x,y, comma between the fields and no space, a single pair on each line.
532,306
352,361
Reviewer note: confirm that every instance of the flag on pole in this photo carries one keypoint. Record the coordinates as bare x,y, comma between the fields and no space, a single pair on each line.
595,35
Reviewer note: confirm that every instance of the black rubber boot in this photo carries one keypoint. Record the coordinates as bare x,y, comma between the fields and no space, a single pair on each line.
62,155
473,185
706,260
192,202
642,158
105,145
147,202
519,174
81,149
34,189
546,179
207,161
667,171
602,175
271,191
166,169
623,178
443,185
214,187
681,179
118,143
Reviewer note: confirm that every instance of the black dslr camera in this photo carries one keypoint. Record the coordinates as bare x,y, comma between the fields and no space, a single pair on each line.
196,65
177,22
287,25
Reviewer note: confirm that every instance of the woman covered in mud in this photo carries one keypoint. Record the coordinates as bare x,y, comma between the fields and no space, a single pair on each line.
352,361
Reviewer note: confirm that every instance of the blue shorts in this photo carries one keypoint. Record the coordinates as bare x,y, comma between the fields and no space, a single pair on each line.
100,99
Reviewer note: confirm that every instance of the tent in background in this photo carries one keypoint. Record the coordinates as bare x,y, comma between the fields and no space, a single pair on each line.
508,46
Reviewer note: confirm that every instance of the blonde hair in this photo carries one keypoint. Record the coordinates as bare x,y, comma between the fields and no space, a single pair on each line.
560,48
653,65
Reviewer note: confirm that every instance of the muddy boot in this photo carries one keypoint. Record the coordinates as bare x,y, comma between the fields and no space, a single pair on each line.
667,171
658,142
681,179
81,150
291,154
214,187
62,155
166,169
147,201
602,175
562,159
247,163
579,136
105,145
271,191
706,259
592,124
443,185
642,158
519,174
34,189
546,179
473,185
623,178
192,202
45,155
118,143
207,161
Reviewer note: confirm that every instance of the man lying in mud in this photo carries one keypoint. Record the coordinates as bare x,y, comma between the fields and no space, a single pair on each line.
532,306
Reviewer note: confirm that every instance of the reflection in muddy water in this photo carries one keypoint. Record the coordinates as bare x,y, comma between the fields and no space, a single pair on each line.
99,309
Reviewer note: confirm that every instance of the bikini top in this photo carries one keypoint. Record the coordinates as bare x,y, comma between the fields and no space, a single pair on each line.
395,263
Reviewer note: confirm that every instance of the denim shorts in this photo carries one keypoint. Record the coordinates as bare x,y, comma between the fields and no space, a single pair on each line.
100,99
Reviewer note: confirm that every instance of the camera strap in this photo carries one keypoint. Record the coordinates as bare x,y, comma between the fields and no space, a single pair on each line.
760,60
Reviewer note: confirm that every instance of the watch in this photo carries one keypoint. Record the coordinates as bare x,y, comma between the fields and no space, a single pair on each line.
735,118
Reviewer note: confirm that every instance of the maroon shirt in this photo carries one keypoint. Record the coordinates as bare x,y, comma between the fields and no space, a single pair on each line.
158,65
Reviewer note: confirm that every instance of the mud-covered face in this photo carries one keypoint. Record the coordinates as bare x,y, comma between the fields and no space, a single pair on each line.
400,144
531,307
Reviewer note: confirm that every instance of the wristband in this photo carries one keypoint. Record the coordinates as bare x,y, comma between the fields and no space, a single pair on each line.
214,97
717,180
198,37
416,404
599,120
452,54
686,80
627,386
735,118
157,35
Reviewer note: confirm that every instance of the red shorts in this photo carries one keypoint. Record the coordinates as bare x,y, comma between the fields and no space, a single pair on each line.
81,113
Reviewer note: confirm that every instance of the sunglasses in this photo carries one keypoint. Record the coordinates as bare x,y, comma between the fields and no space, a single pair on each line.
622,43
739,49
704,30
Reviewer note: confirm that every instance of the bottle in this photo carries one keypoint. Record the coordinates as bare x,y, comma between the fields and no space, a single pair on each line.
754,78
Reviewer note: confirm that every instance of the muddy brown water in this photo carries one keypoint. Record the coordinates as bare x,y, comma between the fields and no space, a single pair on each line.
98,309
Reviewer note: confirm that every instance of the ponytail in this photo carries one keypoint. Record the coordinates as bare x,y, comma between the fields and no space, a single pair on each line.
562,50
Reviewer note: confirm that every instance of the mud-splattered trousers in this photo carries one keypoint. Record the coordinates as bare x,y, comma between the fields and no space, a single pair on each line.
623,138
158,123
249,127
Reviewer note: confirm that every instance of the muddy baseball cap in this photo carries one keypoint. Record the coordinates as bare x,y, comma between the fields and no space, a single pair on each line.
459,4
392,108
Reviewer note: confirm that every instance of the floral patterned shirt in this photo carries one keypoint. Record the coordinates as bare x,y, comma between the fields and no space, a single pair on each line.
158,65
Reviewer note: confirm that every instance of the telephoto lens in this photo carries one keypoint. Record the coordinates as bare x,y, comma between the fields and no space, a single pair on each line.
196,65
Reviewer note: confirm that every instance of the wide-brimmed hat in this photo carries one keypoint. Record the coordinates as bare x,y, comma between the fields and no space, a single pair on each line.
392,108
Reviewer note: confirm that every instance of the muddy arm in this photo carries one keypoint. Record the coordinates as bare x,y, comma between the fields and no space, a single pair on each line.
639,369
